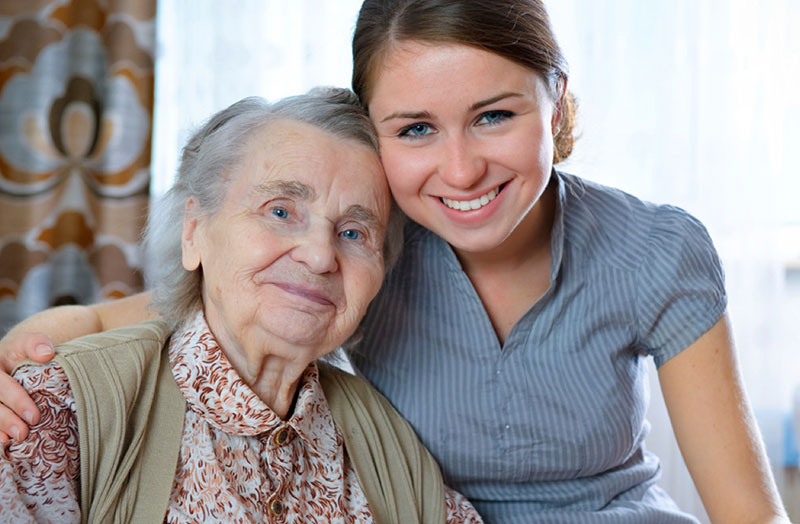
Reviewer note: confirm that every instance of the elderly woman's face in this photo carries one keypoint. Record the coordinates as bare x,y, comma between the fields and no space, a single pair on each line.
294,254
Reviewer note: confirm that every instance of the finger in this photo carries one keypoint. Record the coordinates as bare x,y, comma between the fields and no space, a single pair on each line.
15,403
14,428
17,347
39,348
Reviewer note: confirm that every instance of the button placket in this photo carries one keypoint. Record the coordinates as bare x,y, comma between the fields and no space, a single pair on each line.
503,400
279,458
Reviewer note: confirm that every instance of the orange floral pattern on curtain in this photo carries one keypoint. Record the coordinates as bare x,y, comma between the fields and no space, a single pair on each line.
76,99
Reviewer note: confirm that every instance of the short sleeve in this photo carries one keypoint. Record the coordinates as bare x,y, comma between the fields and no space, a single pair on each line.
680,285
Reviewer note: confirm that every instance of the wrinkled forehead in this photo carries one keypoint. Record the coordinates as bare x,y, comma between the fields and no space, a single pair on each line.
313,164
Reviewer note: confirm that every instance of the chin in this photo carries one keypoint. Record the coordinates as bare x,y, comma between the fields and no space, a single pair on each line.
476,241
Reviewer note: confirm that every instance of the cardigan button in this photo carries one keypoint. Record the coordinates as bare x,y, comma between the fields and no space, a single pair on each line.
276,507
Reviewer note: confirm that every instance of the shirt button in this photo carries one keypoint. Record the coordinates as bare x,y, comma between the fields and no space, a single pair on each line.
281,437
507,427
276,507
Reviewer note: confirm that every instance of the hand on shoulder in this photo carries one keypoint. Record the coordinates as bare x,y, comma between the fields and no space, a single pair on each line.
17,410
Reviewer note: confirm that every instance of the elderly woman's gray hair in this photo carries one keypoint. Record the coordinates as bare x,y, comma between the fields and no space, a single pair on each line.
209,158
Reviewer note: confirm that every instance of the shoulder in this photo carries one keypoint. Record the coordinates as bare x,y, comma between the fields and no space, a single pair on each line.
622,229
659,256
152,334
332,378
348,394
123,360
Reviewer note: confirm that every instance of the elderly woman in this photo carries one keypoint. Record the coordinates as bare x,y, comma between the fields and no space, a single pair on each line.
270,245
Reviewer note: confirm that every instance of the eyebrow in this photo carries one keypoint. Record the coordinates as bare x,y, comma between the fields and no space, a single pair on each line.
288,188
426,115
362,214
410,115
492,100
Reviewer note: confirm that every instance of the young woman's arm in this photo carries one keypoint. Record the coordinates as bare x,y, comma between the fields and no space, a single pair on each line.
717,433
33,338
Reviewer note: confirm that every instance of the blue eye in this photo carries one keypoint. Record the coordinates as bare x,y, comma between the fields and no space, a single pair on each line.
494,117
415,130
279,212
351,234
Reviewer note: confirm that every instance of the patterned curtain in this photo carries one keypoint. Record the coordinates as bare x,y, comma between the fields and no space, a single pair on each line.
76,98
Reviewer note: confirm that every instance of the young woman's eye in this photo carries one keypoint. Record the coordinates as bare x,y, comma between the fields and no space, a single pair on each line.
494,117
279,212
416,130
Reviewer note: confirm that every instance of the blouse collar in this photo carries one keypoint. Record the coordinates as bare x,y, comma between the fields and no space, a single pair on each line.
215,391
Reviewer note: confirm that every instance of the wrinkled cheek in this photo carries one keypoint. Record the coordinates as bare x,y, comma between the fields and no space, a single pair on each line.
359,297
371,281
349,326
235,293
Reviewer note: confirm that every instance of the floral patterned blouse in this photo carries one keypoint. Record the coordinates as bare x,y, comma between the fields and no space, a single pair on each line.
239,462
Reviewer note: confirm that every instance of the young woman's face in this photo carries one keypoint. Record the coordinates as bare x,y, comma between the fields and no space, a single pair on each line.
465,138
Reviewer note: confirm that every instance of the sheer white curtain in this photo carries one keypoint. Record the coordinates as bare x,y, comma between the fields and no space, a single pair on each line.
689,102
212,53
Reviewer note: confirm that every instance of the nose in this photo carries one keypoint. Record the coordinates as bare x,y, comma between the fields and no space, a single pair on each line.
463,164
317,251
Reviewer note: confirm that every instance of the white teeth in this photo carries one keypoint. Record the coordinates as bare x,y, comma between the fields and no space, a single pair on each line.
469,205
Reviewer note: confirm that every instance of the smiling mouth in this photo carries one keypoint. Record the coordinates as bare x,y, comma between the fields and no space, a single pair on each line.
473,204
311,295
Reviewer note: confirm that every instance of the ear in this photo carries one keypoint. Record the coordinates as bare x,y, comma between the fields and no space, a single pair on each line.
190,238
561,90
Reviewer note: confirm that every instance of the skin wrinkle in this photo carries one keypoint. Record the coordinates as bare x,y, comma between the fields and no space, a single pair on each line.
284,188
297,286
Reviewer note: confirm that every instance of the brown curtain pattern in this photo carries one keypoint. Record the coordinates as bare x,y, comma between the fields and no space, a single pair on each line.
76,99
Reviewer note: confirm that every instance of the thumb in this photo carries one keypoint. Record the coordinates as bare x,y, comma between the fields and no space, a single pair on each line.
16,347
39,348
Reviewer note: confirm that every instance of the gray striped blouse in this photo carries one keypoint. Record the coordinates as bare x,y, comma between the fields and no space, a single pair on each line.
549,427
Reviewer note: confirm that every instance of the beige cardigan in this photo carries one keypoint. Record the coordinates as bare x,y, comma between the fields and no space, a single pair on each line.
130,422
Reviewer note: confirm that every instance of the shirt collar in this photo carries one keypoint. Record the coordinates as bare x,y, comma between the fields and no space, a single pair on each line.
215,391
557,233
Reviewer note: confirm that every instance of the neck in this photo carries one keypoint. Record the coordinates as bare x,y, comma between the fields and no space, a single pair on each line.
273,378
271,368
525,257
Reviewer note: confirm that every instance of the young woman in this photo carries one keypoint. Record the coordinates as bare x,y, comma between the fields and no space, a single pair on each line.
513,332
